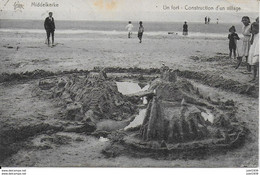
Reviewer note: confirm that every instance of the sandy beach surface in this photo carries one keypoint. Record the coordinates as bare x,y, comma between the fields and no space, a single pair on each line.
22,52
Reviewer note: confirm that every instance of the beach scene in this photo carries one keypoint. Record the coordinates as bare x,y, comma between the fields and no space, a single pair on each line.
177,89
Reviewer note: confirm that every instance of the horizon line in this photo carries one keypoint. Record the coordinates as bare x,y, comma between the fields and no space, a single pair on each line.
159,21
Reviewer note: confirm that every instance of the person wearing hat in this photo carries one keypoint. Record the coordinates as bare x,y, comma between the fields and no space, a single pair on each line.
233,37
49,26
140,31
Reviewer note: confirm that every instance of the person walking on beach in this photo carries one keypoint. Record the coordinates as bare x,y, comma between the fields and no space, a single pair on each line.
206,20
140,31
129,28
246,40
185,29
253,58
233,37
49,26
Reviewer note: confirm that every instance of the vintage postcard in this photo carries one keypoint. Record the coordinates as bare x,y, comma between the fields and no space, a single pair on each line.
129,83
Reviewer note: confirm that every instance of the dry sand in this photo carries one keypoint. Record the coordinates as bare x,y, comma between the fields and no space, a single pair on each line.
21,52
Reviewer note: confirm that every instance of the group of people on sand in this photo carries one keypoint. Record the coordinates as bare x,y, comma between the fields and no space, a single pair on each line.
130,27
250,45
250,49
49,26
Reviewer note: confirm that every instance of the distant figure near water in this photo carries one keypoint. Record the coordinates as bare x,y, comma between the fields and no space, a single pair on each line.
185,29
206,20
129,28
217,20
49,26
140,31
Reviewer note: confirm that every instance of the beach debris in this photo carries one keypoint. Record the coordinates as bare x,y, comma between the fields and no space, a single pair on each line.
8,46
102,139
210,59
80,127
73,111
46,84
138,120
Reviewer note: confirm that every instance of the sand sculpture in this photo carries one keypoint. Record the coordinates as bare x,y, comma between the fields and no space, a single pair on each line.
179,120
178,117
92,100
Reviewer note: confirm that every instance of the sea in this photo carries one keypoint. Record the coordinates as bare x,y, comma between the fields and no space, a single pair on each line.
196,29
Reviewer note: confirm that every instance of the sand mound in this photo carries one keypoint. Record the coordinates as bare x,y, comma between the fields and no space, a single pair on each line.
178,121
220,82
87,97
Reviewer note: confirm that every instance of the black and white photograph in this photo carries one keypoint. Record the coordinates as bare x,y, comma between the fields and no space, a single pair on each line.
129,84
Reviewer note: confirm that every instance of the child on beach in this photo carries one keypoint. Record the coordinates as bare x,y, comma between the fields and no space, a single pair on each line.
185,29
140,31
233,37
253,58
129,28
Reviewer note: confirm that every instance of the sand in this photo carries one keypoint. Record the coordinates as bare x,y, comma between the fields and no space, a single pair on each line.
21,52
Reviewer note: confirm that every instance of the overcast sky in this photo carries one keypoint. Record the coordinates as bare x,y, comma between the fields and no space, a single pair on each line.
124,10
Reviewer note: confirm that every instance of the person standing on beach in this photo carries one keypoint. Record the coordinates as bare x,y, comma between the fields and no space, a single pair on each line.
253,58
233,37
140,31
185,29
246,40
206,20
49,26
217,20
129,28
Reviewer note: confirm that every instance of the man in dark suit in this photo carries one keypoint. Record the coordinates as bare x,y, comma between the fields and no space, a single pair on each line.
49,26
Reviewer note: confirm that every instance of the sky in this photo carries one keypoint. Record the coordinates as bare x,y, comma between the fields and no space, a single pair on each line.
134,10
